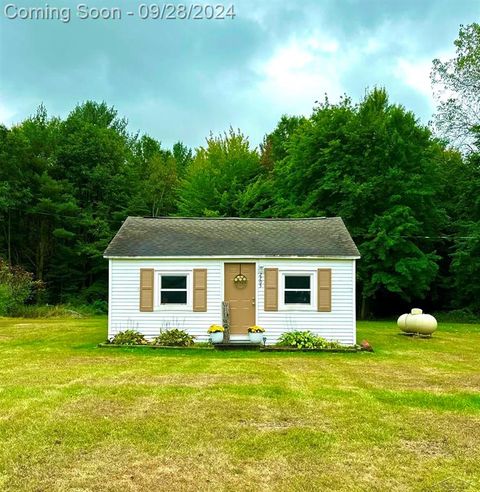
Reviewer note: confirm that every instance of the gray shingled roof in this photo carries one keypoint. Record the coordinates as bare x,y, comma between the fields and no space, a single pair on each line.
157,237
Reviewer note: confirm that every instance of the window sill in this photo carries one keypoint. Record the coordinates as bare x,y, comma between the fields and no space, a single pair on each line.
173,307
297,307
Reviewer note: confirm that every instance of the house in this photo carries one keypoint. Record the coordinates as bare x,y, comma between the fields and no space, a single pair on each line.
281,274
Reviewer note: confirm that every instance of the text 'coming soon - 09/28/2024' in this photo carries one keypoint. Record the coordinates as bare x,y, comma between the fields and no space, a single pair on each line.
143,11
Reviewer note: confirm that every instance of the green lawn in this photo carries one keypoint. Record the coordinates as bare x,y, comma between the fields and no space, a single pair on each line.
77,417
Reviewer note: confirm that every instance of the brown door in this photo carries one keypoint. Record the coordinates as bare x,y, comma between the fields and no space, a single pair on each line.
241,296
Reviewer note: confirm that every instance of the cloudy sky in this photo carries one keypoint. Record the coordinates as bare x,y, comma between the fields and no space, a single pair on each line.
179,80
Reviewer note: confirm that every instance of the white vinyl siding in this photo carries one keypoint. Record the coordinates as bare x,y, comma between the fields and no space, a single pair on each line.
339,324
124,287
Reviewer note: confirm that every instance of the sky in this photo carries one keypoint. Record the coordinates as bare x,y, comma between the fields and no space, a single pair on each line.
179,80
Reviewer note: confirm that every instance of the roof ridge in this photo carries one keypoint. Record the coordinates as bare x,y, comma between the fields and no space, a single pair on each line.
235,218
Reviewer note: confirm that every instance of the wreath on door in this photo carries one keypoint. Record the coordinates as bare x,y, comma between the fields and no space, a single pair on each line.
240,280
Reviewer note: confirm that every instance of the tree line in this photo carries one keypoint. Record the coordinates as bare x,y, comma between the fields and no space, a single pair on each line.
409,194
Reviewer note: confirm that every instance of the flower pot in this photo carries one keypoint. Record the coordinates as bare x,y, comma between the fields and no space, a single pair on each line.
256,337
216,337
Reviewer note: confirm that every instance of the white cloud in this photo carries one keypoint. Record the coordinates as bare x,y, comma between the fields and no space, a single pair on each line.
300,72
7,114
415,74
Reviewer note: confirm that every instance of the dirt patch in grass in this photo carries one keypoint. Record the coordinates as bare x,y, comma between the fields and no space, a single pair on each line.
428,448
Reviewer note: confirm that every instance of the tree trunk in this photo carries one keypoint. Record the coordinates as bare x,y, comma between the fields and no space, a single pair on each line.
363,309
9,239
42,249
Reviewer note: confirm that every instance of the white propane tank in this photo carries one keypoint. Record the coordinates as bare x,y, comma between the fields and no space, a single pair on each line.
417,322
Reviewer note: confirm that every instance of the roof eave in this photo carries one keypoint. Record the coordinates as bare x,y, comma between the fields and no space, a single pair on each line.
215,257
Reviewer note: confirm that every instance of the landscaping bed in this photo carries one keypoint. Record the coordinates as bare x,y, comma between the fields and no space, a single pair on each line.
274,348
290,341
151,346
233,346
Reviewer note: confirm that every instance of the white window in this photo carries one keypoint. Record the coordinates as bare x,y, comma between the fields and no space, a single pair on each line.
173,289
297,290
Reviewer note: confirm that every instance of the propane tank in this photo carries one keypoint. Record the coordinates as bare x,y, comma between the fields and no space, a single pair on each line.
417,322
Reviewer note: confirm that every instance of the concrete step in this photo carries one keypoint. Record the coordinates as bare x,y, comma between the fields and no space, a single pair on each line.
237,346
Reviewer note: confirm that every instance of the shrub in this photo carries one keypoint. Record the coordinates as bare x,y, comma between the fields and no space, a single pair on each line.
305,339
457,316
47,311
5,300
92,293
256,329
330,344
100,307
174,337
58,310
16,287
128,337
216,329
298,339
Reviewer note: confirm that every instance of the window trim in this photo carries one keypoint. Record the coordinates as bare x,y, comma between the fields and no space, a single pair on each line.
158,291
312,306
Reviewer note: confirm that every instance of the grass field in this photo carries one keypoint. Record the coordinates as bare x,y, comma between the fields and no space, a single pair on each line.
77,417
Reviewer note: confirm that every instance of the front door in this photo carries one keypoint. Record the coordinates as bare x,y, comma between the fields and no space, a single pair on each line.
240,294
